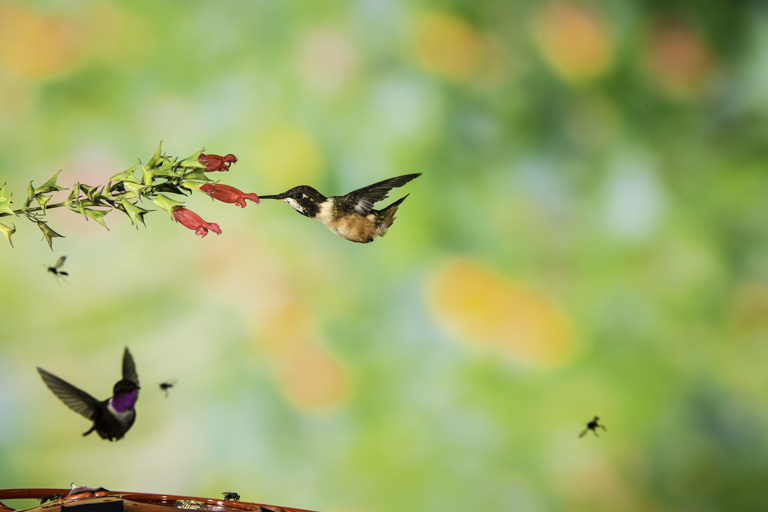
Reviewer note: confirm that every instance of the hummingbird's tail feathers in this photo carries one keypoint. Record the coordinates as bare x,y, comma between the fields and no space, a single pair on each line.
394,206
386,217
91,430
74,398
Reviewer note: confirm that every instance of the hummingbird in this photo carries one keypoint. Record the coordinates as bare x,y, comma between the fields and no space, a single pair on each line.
112,417
350,216
593,426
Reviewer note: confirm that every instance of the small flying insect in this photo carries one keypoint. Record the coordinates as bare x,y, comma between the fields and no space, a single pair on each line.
593,426
55,269
165,386
231,496
51,498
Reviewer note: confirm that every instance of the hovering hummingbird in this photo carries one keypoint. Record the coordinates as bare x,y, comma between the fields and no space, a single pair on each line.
593,426
111,418
350,216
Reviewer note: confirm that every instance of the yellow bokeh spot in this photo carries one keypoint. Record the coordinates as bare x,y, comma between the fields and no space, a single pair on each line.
37,47
481,309
447,46
287,155
574,41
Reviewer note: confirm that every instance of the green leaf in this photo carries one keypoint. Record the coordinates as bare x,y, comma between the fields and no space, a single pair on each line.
30,194
157,157
167,170
192,162
5,203
76,203
193,185
197,174
170,188
166,203
135,213
90,192
97,215
125,176
134,189
7,232
48,233
77,206
147,176
73,194
42,200
49,186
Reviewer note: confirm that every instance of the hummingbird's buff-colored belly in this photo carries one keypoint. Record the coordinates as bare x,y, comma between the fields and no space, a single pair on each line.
352,227
355,228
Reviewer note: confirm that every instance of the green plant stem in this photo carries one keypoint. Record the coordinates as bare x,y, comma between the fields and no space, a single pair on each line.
33,209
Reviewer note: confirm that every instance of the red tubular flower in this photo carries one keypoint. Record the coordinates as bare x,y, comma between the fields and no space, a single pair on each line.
227,194
193,221
216,162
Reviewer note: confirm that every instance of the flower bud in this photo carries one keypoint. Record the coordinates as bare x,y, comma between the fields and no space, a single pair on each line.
193,221
227,194
216,162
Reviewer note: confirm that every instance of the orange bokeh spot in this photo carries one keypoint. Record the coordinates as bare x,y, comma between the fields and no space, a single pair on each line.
678,57
574,41
748,311
313,380
37,47
482,309
447,46
308,375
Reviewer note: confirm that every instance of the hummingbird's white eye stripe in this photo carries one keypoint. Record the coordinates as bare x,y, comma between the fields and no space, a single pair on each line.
294,204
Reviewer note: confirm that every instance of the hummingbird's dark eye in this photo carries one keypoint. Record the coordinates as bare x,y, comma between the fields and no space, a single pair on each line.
299,195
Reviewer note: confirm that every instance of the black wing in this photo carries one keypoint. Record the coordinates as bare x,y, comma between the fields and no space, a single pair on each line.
129,368
364,198
74,398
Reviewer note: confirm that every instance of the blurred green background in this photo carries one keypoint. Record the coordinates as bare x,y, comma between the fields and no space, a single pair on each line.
589,237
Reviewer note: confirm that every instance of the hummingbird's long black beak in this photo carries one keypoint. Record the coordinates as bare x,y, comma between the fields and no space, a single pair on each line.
273,196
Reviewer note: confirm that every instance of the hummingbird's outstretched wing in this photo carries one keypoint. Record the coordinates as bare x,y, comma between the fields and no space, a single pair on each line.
129,368
74,398
364,198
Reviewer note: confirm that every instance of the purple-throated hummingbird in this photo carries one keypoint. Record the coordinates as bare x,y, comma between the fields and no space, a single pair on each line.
112,417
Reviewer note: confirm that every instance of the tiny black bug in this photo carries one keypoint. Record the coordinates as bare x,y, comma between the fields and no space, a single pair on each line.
231,496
